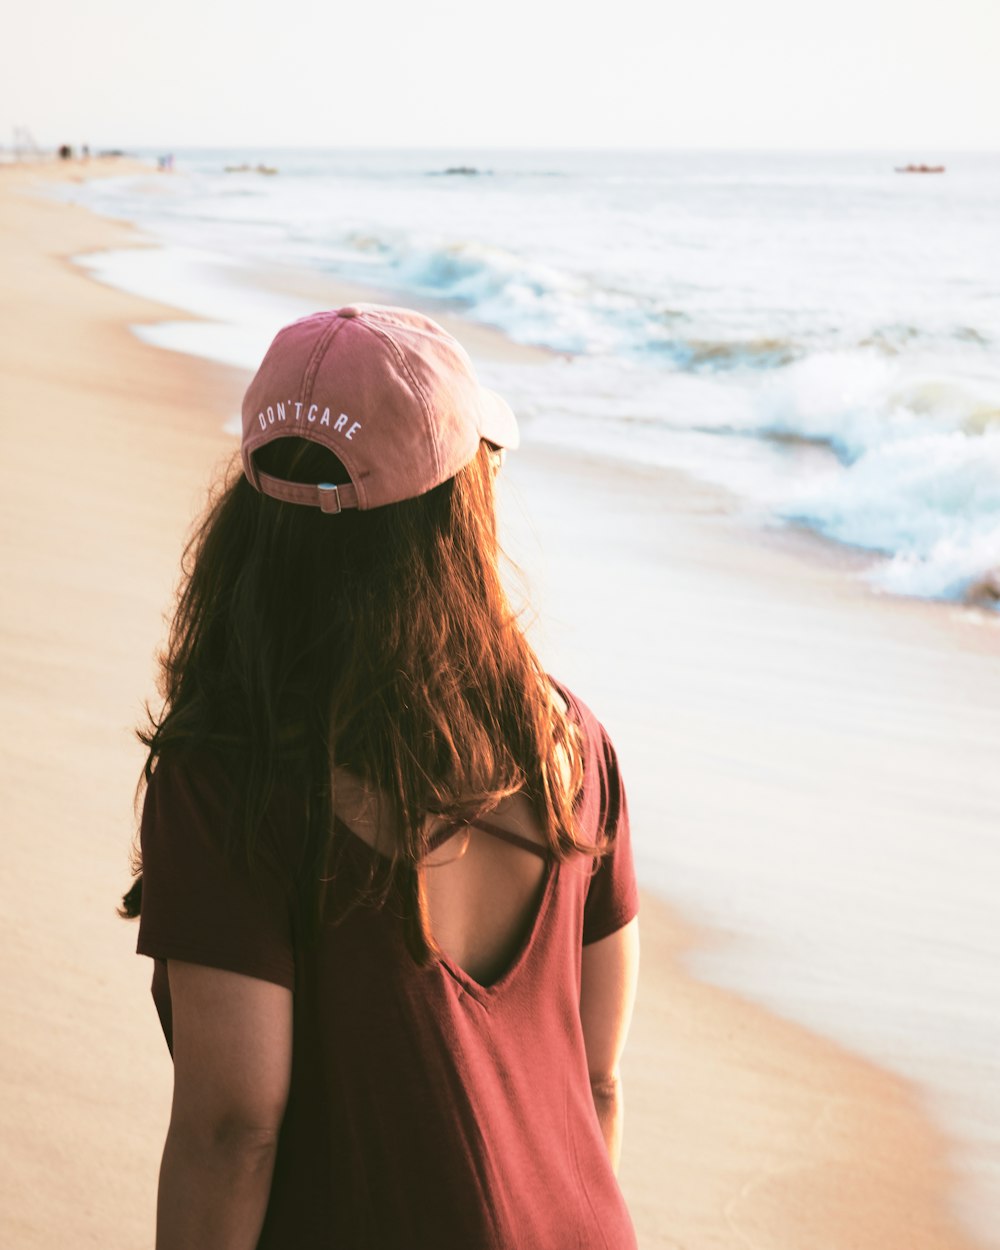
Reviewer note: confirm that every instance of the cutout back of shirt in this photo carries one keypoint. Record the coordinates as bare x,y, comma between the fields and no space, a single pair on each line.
484,885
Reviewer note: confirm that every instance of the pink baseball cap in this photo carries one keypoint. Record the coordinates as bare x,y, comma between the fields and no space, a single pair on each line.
389,391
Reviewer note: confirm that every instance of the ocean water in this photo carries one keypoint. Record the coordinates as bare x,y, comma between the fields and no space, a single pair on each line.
814,331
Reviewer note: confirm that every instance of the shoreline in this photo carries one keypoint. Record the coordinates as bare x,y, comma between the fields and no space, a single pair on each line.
491,343
741,1128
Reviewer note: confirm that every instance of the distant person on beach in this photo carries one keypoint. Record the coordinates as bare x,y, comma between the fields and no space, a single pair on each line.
386,871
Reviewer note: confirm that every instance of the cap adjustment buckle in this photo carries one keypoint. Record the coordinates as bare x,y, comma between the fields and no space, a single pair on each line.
329,497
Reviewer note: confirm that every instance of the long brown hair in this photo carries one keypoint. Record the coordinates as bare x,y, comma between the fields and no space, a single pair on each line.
381,642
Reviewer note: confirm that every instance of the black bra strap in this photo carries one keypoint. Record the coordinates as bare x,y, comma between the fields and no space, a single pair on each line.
508,835
449,830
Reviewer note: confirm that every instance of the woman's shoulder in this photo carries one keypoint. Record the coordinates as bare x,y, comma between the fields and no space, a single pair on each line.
197,792
600,758
190,770
580,712
187,793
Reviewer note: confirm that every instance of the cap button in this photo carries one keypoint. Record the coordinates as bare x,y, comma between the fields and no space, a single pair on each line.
350,311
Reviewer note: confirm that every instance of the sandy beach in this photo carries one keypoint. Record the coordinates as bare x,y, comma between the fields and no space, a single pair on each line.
743,1131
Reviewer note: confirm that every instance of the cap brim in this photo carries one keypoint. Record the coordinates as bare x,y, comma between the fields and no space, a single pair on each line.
498,424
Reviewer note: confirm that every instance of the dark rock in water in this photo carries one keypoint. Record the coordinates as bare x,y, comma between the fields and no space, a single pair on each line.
463,170
985,593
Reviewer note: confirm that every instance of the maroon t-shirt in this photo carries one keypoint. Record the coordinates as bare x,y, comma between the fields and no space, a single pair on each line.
426,1110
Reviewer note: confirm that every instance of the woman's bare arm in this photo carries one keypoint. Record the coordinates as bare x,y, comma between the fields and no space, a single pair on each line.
232,1047
607,996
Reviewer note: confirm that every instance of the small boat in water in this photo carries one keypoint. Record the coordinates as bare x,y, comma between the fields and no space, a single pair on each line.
919,169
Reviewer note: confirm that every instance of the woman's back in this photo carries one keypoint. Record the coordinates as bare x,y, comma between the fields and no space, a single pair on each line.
445,1106
483,883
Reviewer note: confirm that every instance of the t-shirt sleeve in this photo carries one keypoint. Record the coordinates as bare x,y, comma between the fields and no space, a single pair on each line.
197,906
613,893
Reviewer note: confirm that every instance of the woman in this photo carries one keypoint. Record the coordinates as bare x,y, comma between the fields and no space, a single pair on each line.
386,873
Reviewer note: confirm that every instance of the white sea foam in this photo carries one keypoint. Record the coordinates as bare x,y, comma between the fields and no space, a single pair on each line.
237,323
931,501
903,466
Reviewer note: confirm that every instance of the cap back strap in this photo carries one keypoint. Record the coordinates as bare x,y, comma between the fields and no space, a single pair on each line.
325,495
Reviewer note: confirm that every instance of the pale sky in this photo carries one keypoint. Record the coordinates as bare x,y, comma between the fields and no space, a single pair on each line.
919,75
